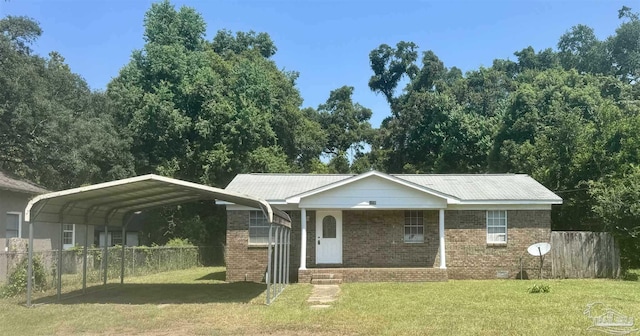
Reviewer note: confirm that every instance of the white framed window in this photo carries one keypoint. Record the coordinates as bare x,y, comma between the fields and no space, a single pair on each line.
258,228
413,226
14,225
68,236
496,226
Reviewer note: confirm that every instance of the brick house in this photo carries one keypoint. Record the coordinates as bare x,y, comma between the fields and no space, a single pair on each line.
379,227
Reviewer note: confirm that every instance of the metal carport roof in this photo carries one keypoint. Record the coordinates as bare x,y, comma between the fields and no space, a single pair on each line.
111,202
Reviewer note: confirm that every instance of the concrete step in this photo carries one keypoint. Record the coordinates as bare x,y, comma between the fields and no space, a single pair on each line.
326,281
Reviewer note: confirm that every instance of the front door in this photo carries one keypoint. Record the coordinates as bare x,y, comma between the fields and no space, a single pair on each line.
328,237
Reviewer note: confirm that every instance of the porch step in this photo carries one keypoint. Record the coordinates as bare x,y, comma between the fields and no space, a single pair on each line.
326,281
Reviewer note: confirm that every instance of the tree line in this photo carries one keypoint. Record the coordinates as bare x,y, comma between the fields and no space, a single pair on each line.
205,110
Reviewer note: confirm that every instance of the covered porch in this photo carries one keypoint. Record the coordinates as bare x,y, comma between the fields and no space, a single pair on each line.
372,245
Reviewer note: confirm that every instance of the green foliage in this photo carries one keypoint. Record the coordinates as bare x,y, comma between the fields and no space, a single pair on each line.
17,281
178,242
539,288
616,202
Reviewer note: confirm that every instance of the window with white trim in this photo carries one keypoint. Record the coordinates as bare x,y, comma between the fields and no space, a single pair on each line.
258,228
413,226
14,225
496,226
68,235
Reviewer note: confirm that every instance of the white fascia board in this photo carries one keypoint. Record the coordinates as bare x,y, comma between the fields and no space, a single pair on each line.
519,202
296,198
528,206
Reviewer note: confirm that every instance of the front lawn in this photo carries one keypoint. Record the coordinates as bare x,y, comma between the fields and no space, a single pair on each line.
197,301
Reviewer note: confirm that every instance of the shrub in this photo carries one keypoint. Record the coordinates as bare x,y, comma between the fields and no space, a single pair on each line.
630,275
17,282
539,288
178,242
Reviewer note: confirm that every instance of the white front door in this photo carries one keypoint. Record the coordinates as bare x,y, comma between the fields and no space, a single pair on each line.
328,237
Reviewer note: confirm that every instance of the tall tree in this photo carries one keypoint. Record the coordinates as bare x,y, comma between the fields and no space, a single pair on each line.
53,129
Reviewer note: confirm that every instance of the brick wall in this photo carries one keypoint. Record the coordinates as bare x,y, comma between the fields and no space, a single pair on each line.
377,274
470,257
375,239
244,263
249,263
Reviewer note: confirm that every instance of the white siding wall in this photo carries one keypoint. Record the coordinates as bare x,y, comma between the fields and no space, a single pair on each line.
385,193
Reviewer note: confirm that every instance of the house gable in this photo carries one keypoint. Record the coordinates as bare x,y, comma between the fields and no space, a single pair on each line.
372,190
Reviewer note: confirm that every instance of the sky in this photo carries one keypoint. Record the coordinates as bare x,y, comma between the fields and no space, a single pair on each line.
327,42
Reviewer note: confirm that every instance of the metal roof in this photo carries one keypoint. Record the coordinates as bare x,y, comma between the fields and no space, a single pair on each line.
465,187
111,202
12,183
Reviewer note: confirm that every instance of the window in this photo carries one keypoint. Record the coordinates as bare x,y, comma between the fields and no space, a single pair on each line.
496,226
14,227
413,226
68,236
116,238
258,228
329,227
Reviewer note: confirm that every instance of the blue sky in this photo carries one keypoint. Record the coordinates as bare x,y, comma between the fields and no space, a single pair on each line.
328,42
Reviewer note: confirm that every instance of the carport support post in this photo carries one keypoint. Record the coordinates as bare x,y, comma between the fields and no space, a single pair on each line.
60,246
276,257
282,250
122,255
105,259
30,265
269,259
288,254
84,259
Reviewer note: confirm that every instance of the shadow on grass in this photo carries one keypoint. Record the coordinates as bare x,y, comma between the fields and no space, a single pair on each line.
163,293
220,276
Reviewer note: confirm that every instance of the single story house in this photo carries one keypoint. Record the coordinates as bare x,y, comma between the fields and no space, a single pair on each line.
400,227
15,193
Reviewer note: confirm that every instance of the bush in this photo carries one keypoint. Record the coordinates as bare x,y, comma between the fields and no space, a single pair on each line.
539,288
630,275
17,283
178,242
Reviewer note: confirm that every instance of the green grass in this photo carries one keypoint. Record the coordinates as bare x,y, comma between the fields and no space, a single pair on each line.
197,301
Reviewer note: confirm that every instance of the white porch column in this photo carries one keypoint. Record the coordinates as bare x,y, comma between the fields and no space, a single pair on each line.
303,239
443,262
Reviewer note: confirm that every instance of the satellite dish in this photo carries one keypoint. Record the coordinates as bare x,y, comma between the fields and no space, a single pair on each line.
539,249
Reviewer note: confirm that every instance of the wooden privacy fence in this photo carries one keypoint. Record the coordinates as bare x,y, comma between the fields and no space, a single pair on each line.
581,254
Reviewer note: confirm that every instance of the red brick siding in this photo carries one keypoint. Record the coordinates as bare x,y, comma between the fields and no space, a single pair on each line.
377,274
470,257
375,239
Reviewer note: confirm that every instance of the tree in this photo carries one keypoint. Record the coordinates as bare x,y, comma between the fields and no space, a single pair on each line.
53,129
389,65
345,123
205,111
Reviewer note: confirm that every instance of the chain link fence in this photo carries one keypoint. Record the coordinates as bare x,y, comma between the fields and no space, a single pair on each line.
140,260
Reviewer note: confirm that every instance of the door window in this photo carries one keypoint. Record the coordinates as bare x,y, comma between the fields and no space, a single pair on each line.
329,227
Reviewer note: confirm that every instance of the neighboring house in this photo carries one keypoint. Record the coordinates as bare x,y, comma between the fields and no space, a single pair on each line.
15,193
379,227
114,234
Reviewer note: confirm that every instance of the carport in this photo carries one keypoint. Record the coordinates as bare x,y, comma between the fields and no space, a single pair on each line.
114,203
